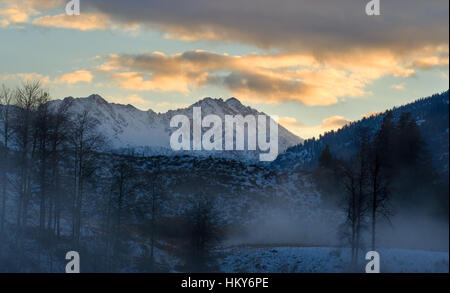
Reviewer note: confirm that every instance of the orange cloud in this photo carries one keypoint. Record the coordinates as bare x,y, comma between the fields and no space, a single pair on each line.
307,131
75,77
334,122
43,4
68,78
399,87
4,23
430,62
20,11
83,22
368,115
136,81
15,13
44,79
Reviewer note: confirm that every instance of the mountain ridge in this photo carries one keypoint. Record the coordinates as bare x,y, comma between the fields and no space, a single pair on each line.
148,132
430,113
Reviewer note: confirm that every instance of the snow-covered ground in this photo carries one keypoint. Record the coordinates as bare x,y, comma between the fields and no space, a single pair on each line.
327,260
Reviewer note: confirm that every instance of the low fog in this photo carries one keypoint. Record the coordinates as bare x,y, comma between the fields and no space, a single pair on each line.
280,227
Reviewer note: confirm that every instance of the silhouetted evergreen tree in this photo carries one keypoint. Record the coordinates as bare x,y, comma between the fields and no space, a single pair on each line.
326,159
380,172
413,174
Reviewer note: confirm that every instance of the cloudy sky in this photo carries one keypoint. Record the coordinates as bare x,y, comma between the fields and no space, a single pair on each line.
316,64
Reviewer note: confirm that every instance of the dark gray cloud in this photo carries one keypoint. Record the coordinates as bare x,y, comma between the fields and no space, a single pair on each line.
291,24
262,85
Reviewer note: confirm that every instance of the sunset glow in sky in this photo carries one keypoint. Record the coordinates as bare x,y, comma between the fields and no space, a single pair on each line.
316,64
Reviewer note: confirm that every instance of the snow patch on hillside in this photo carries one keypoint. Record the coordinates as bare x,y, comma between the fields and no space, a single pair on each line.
328,260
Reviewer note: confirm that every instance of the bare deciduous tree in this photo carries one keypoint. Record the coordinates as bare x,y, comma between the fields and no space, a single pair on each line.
356,178
28,99
59,129
6,96
84,142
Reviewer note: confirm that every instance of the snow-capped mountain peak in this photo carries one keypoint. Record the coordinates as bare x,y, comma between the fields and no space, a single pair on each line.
127,127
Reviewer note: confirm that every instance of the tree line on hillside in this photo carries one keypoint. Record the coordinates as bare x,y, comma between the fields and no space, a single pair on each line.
431,115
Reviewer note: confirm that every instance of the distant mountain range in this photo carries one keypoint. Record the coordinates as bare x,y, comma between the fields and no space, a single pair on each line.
431,115
147,132
130,130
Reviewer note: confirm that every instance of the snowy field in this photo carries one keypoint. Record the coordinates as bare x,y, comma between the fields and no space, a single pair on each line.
328,260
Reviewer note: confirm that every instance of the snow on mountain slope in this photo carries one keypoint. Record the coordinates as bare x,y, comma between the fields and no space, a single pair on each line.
126,127
123,125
